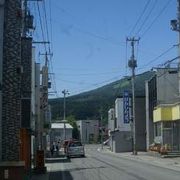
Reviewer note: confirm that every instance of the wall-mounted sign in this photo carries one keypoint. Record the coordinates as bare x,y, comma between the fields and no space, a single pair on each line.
126,105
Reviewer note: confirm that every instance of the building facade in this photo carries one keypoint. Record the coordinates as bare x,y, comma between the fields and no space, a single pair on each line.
161,89
60,131
111,120
1,70
11,81
121,138
89,131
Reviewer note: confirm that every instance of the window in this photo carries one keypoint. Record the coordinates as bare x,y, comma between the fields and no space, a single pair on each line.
75,144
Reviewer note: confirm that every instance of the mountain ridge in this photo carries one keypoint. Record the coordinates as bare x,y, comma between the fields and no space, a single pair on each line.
89,105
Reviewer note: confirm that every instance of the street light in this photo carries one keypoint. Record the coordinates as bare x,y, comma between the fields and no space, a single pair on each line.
65,92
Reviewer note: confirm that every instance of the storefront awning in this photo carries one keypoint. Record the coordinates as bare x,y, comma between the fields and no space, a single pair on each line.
166,113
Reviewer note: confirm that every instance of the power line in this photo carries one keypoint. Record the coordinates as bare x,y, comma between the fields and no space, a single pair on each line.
46,24
52,77
156,58
167,63
94,84
98,36
50,21
155,19
140,17
40,20
79,29
146,18
90,74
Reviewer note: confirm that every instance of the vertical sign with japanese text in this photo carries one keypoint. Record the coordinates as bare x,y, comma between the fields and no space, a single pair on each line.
126,105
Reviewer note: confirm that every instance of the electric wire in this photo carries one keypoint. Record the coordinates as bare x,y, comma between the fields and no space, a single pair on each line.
91,74
146,18
77,27
51,35
52,75
140,16
50,21
156,18
156,58
46,24
41,25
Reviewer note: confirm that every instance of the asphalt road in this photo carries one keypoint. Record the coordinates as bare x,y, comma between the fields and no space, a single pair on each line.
99,166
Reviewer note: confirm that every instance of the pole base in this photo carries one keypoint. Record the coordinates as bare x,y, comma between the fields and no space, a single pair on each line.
134,153
41,170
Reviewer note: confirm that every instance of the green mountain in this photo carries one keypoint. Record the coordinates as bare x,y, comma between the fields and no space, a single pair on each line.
88,105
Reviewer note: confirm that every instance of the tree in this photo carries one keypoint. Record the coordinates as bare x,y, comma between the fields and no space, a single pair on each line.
75,132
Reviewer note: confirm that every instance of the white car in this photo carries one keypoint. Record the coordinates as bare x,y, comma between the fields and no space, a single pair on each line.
75,148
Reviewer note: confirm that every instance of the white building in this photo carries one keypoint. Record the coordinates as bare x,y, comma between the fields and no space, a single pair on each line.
123,114
111,119
60,131
89,130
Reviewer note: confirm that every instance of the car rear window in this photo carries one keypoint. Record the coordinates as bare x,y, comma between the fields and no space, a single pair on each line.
75,144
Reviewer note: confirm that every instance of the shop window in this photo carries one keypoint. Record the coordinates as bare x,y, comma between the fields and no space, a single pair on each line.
167,125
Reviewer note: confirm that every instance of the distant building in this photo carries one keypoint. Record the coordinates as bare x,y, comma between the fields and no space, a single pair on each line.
123,113
121,137
58,133
111,120
89,130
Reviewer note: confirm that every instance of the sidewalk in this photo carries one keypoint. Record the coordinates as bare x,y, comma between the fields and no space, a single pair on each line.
49,158
145,157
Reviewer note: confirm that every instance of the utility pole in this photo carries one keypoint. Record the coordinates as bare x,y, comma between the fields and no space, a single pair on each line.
65,92
132,63
175,23
44,99
101,132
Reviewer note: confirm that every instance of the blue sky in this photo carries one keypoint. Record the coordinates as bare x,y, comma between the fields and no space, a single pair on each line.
89,39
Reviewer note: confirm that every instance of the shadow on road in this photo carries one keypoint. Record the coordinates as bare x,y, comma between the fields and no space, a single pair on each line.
58,160
85,168
63,175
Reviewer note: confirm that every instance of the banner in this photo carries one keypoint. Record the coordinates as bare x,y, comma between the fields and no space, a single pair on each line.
126,105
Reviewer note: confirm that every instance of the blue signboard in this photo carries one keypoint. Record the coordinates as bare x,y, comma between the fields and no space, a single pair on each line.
126,110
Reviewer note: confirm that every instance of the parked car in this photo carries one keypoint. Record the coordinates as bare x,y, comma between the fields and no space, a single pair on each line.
75,148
